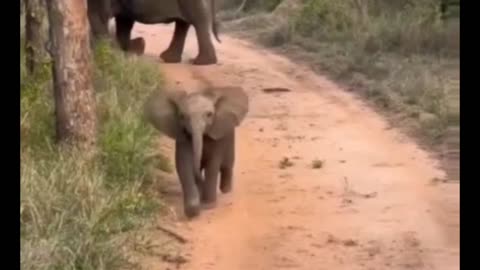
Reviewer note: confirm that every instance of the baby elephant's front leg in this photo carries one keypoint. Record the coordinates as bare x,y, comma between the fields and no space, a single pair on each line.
185,171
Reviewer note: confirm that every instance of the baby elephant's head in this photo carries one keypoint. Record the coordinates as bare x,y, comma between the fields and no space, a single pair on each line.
213,112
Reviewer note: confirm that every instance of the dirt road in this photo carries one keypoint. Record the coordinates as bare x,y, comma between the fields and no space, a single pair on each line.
321,182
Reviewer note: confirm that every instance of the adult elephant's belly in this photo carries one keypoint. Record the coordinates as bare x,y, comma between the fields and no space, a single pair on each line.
155,11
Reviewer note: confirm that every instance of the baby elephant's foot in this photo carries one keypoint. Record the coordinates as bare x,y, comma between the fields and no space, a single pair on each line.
192,208
225,187
192,211
209,202
209,205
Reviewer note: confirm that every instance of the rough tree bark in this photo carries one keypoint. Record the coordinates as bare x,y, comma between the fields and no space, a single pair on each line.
34,15
75,108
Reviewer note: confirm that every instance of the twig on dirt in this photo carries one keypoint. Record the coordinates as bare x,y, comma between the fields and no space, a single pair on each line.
331,239
275,89
173,234
443,181
285,163
174,259
367,195
349,243
317,164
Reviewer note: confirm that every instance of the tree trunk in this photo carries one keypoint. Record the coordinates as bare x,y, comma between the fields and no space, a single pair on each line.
75,108
34,15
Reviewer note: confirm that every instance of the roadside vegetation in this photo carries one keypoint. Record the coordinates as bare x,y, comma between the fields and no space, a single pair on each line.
401,55
75,213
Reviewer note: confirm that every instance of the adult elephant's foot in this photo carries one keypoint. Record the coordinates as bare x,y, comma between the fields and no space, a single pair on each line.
204,59
170,56
137,46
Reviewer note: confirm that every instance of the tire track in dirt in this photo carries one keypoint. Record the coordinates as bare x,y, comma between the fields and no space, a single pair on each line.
371,205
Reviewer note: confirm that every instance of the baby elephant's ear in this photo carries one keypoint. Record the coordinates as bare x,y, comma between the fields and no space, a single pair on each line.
160,110
231,107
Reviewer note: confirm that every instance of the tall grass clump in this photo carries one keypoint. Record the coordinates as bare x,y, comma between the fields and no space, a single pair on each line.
77,214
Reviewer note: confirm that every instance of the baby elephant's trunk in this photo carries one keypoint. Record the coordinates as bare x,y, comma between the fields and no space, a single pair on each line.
197,140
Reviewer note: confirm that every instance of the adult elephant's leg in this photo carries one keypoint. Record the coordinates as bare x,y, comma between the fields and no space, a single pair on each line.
98,16
98,27
124,27
206,51
197,13
173,54
137,45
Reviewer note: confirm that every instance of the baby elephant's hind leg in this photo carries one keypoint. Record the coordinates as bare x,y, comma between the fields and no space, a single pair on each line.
209,195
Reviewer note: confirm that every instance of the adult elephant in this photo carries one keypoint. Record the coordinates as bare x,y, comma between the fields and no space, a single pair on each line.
198,13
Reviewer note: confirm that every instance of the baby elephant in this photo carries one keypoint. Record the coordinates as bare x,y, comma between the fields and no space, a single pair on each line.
203,127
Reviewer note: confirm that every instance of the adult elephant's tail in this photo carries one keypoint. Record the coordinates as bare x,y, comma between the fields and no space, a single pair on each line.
214,20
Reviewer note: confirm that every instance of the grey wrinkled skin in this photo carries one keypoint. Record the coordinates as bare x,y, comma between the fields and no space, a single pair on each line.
184,13
203,127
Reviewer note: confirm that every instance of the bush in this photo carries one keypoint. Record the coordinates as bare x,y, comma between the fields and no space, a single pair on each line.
75,214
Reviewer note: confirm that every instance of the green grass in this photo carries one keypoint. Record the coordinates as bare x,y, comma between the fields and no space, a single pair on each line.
397,54
77,214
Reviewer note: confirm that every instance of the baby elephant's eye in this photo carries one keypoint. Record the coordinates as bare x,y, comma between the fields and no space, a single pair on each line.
209,114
